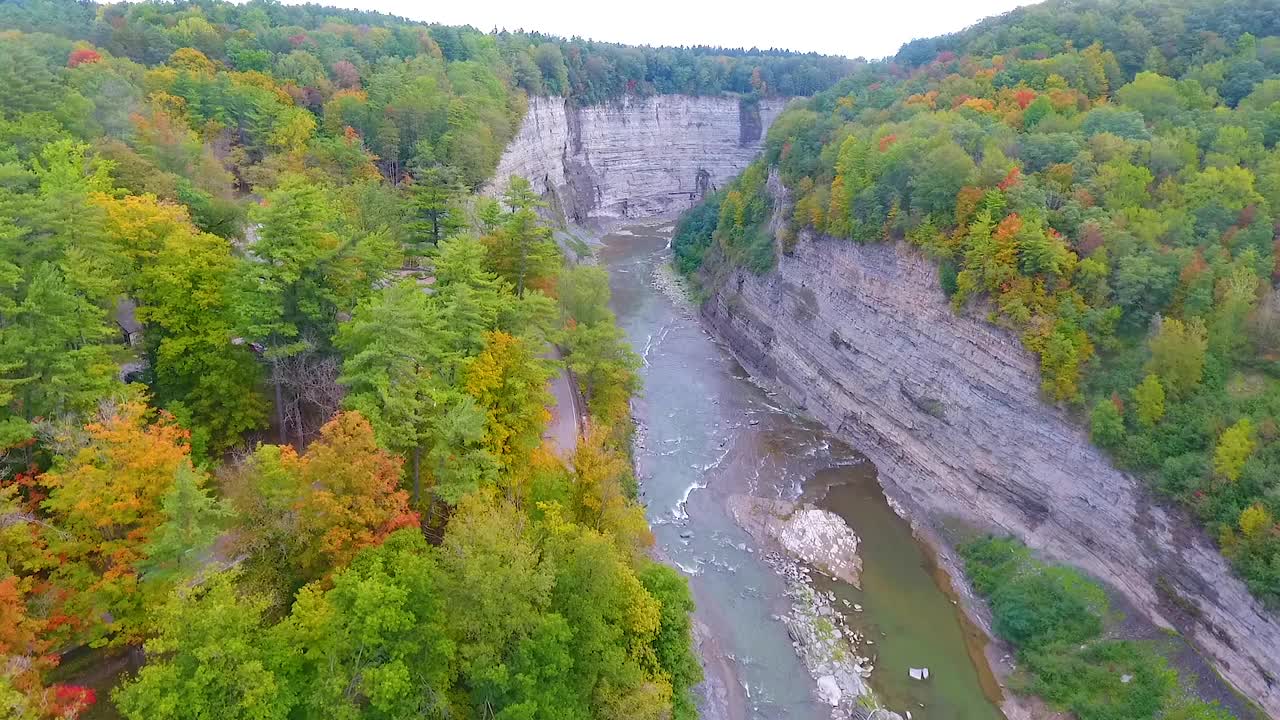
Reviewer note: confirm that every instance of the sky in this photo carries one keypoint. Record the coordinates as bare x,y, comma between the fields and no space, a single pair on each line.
866,28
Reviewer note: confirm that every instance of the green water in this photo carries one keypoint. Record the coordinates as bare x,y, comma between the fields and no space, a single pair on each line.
908,616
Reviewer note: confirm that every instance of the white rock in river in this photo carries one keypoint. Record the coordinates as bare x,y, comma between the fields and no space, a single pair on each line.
829,690
809,534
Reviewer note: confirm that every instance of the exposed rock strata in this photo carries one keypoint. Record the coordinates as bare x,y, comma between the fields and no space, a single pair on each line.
637,158
948,408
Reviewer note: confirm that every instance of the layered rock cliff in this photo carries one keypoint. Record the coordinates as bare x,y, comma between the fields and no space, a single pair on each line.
948,409
637,158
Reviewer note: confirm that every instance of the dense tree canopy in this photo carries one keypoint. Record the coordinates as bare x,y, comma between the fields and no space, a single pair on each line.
224,224
263,76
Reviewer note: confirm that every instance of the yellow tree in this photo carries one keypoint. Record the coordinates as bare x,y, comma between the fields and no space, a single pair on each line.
1234,448
509,382
1177,354
180,279
601,476
106,502
1149,396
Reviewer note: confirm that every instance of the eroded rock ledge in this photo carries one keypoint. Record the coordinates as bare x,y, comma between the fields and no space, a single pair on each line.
948,409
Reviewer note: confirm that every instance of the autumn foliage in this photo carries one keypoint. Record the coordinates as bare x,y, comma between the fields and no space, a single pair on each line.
1111,200
351,492
83,56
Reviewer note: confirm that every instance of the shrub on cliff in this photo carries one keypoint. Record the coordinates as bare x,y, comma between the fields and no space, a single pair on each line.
1054,617
1035,605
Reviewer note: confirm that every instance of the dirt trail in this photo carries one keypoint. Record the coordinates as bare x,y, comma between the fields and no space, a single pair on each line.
566,416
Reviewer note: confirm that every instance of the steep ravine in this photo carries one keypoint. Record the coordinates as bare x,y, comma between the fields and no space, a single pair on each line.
636,158
948,409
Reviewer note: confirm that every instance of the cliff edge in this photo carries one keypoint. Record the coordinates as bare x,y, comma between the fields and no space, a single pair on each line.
948,408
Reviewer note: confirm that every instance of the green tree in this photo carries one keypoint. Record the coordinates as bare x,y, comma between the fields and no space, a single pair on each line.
193,520
459,456
470,298
376,644
489,214
555,74
405,352
584,294
1123,184
59,277
674,643
212,658
434,197
942,172
494,586
394,359
54,352
288,304
521,251
1178,354
1149,396
1106,424
302,274
1234,447
615,623
1239,295
603,363
1153,95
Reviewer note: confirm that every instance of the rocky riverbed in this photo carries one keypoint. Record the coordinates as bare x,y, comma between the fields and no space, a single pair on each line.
839,658
781,632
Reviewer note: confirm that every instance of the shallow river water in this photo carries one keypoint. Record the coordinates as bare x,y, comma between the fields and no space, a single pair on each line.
706,432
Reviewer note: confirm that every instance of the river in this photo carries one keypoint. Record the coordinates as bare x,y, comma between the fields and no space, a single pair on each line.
707,432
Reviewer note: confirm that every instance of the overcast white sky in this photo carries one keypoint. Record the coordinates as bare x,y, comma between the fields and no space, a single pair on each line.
868,28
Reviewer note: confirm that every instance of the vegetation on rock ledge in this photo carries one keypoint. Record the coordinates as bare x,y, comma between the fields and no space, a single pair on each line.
1054,617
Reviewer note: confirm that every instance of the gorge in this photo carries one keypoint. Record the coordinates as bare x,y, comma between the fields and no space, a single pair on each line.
947,407
361,366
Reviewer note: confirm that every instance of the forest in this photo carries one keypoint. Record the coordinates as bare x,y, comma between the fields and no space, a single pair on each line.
1101,178
273,373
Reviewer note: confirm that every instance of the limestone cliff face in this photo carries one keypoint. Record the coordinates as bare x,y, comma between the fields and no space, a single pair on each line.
637,158
948,409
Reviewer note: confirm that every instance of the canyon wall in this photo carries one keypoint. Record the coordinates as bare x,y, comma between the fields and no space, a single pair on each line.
636,158
949,410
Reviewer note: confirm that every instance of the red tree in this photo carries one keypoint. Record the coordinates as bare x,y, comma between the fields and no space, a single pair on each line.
82,56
